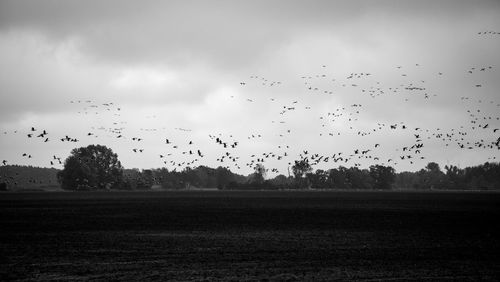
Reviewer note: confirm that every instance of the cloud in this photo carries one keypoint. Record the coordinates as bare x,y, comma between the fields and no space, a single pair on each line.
40,76
227,34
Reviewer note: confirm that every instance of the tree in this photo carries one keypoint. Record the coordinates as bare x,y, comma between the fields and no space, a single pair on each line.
432,177
224,176
359,179
281,181
301,168
433,167
406,180
259,174
318,179
383,176
94,167
146,180
337,178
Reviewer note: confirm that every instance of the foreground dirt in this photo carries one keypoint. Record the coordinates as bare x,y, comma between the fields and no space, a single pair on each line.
250,236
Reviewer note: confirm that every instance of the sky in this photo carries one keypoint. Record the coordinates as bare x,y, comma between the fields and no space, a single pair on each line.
342,83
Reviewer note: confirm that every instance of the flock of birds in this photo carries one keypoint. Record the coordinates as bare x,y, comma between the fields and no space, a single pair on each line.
481,131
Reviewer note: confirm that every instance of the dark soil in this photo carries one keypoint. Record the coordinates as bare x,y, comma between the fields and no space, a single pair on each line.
250,236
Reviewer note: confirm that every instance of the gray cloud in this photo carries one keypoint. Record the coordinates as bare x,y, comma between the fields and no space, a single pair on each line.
229,33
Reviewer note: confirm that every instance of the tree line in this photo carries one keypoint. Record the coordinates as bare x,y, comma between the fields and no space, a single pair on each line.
96,167
28,178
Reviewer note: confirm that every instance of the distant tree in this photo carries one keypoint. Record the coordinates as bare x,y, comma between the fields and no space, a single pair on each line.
131,179
432,177
491,173
281,181
224,176
300,169
18,176
204,175
261,169
485,176
318,179
359,179
259,174
94,167
147,179
169,179
189,178
337,178
455,177
383,176
433,167
406,180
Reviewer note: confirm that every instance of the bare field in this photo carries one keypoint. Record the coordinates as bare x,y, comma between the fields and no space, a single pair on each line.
250,236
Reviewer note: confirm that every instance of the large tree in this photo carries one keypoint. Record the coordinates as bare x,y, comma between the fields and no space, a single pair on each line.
94,167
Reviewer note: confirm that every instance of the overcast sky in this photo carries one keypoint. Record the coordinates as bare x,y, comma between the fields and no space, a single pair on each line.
326,77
